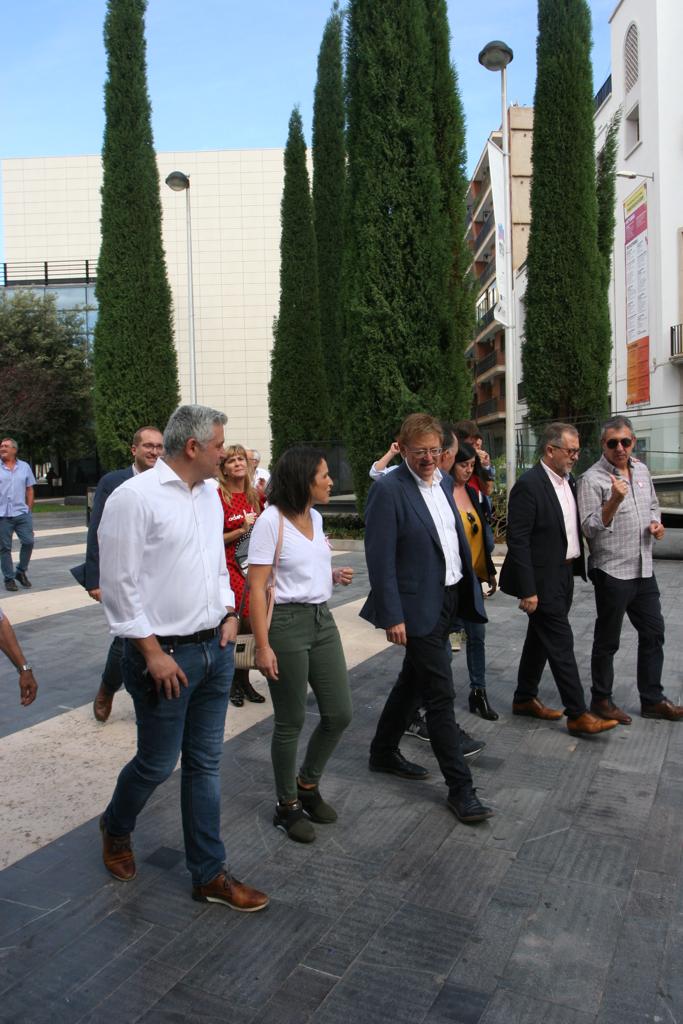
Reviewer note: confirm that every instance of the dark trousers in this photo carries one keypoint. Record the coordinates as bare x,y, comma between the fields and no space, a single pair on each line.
112,676
639,599
549,639
425,681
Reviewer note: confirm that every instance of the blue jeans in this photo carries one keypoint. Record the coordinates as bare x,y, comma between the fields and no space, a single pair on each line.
112,676
23,527
190,726
475,651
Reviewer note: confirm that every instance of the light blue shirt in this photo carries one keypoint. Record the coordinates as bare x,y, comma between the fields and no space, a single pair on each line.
13,484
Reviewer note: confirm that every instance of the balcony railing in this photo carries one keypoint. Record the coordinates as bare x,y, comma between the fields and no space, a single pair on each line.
494,358
488,272
603,93
677,341
484,319
491,406
46,273
484,229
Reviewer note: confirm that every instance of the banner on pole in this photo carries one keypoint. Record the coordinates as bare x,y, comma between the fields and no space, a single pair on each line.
503,311
637,297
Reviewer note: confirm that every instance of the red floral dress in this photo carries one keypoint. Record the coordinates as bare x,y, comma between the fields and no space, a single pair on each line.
233,519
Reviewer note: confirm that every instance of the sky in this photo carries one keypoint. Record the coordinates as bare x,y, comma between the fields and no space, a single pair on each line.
225,74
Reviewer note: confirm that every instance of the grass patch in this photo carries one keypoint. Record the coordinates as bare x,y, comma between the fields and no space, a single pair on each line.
43,507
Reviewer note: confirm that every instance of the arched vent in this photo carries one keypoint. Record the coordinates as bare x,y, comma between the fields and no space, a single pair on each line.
631,57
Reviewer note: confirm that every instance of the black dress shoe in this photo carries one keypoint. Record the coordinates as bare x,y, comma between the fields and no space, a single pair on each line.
396,764
23,579
236,696
467,807
251,694
11,585
479,704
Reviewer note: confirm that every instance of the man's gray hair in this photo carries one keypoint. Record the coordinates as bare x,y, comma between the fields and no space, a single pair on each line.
552,434
188,421
255,454
616,423
11,441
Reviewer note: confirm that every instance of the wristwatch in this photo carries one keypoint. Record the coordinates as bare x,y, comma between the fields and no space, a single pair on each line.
24,668
229,615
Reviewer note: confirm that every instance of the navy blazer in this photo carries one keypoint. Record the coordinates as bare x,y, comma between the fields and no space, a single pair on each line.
536,537
88,573
406,563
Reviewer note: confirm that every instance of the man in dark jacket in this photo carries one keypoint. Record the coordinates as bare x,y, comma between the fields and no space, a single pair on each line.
545,552
146,448
421,578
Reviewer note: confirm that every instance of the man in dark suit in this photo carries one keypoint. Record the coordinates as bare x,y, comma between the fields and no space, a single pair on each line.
146,448
545,552
421,579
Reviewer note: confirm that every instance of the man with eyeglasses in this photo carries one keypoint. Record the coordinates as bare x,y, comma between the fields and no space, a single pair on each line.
146,447
621,520
545,552
421,580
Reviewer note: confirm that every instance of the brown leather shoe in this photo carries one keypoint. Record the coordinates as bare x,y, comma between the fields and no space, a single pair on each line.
534,708
226,889
117,854
664,709
608,710
101,706
588,725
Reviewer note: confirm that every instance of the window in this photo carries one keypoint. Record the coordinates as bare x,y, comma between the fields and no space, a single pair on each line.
632,128
631,57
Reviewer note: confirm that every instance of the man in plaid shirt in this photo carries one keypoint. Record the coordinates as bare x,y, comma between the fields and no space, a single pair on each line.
620,518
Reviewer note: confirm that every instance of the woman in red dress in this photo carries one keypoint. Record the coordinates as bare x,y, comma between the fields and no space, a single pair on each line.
241,505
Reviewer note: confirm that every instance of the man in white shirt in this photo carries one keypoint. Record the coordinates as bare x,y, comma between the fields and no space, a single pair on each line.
260,476
165,590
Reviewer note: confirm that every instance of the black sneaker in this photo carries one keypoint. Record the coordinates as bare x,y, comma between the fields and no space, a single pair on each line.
11,585
469,746
467,807
315,807
291,820
418,728
21,576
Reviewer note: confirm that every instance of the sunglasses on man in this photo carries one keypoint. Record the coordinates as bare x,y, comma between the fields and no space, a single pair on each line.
625,442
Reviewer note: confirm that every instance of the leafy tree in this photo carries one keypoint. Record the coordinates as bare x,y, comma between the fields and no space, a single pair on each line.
297,389
567,348
451,159
397,251
606,184
136,374
46,394
329,176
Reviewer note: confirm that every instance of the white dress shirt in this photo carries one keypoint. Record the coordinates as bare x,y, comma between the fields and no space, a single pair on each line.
569,511
162,558
444,521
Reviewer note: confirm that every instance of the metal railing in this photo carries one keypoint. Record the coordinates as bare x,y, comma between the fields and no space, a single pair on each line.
677,340
488,272
484,319
484,230
494,358
490,406
603,93
46,272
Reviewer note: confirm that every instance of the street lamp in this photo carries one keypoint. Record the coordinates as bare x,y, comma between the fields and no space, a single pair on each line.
632,175
496,56
179,182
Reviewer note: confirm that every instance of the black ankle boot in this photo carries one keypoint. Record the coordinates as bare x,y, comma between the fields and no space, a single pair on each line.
251,694
236,695
479,704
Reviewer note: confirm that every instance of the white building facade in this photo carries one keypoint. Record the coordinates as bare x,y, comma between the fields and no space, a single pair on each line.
52,239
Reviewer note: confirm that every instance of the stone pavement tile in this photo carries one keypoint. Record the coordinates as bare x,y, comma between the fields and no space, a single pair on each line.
340,946
184,1004
483,959
298,999
566,946
594,859
379,995
652,897
522,885
140,992
516,811
196,940
547,836
618,802
633,978
574,783
420,939
407,863
637,748
526,770
164,898
661,846
457,1005
459,879
508,1007
256,957
328,884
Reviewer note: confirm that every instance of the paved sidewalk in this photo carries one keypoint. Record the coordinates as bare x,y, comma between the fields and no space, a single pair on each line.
565,908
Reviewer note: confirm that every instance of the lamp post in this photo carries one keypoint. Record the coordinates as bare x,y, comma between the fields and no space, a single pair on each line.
179,182
496,56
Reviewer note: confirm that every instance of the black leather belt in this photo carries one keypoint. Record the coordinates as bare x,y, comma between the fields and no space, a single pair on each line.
194,638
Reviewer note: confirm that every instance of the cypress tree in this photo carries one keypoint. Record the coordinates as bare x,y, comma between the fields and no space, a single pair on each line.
606,184
457,323
136,375
395,251
297,391
566,353
329,176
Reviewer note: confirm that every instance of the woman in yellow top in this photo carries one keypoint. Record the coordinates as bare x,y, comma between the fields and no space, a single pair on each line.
480,540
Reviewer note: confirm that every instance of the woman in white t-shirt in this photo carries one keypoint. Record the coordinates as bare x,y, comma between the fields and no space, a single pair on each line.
303,644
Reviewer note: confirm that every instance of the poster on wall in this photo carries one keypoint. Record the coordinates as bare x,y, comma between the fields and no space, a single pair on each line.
637,298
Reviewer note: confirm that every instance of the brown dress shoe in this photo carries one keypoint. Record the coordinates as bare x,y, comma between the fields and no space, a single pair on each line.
608,710
664,709
534,708
101,706
588,725
226,889
117,854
